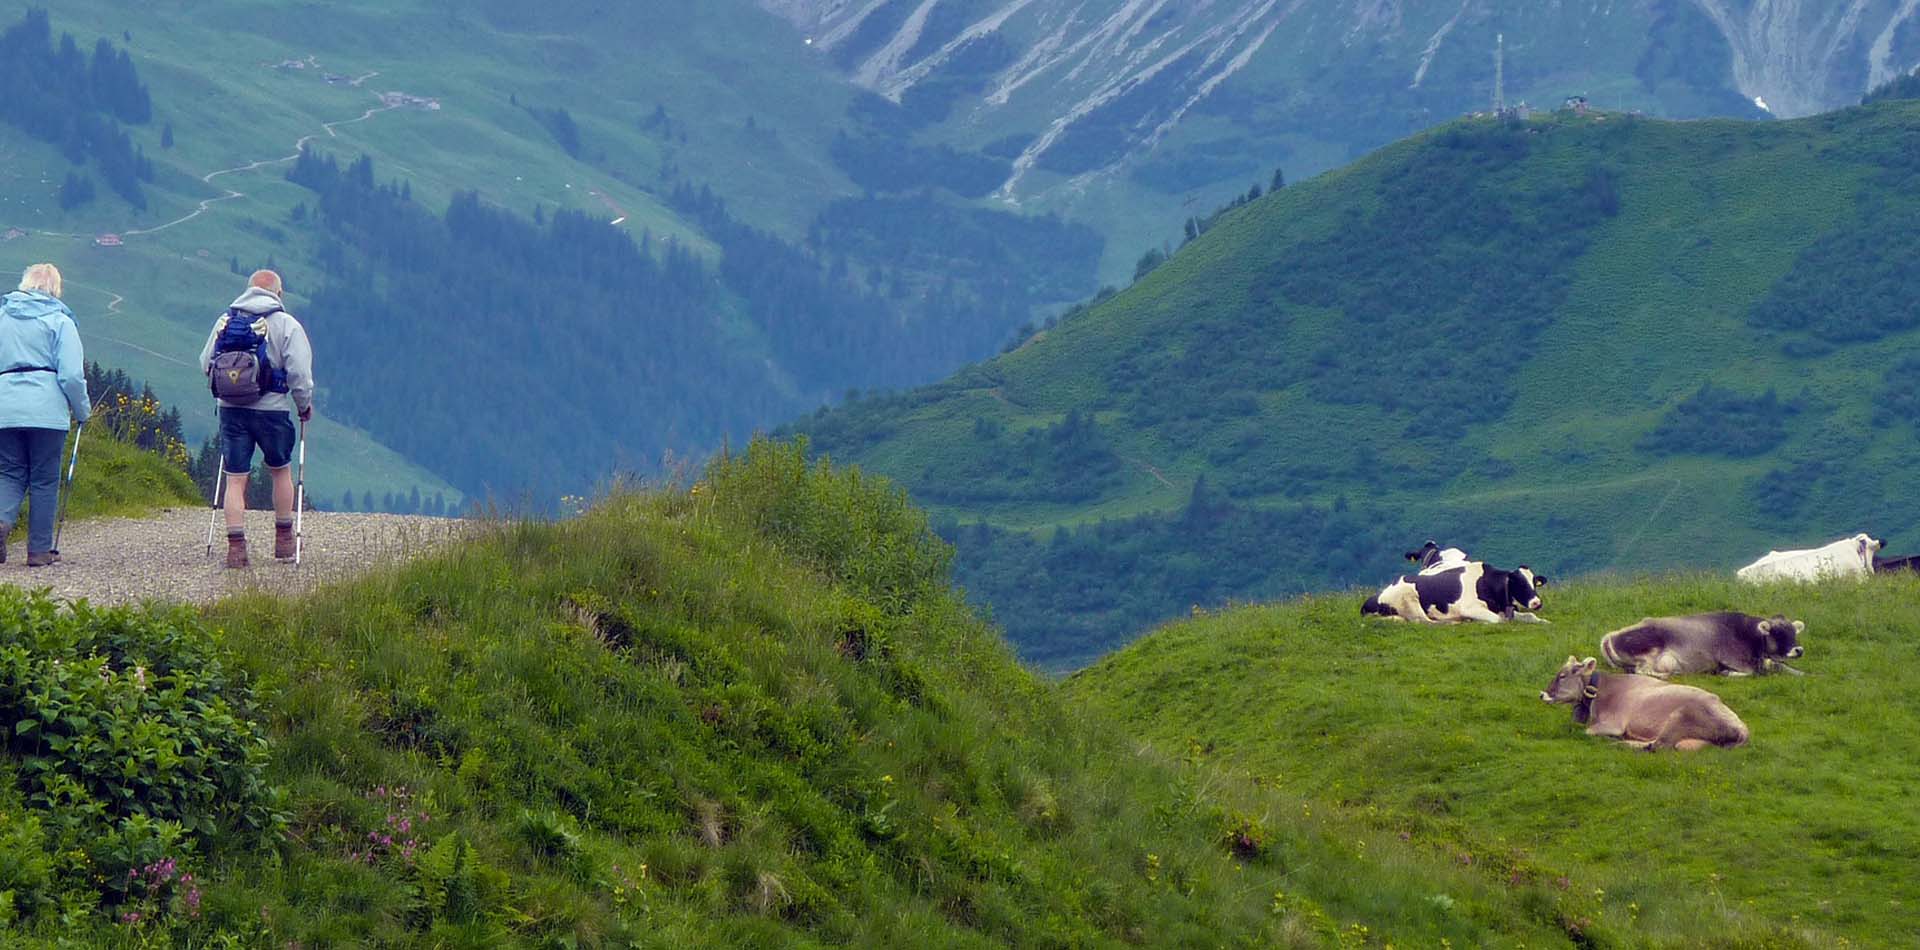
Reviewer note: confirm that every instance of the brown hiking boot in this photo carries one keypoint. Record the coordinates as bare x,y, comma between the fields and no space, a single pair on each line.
283,540
42,558
236,549
5,529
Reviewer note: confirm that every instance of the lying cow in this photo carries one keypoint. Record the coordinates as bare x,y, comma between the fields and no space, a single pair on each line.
1894,565
1731,643
1432,555
1848,557
1644,712
1469,591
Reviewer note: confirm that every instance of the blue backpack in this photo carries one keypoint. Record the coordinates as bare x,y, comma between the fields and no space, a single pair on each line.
240,372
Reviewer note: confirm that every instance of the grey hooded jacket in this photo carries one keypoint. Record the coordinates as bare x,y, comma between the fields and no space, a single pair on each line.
287,349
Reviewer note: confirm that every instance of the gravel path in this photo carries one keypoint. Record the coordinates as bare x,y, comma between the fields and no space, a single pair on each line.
164,557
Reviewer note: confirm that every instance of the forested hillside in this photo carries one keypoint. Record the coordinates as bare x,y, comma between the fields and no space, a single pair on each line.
1584,342
660,234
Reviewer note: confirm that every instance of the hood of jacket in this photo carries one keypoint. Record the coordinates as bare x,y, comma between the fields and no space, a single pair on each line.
32,305
257,302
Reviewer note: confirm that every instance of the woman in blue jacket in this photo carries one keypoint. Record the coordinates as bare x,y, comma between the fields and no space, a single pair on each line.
42,379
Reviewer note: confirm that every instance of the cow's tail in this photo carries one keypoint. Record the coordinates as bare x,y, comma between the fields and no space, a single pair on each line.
1374,608
1612,655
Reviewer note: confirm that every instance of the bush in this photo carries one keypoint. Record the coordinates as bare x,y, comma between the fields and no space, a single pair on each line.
862,531
1722,422
133,745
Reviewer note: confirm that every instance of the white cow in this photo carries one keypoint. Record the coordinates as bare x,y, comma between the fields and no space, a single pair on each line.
1847,557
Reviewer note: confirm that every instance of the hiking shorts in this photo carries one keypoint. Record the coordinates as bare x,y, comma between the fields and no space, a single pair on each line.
243,429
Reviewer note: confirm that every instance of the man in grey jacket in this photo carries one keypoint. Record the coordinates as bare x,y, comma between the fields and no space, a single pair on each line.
263,423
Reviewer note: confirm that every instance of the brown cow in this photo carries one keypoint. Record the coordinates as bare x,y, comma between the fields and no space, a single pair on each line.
1644,712
1732,643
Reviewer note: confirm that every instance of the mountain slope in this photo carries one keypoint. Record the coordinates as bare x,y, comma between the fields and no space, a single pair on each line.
705,134
1587,343
1439,733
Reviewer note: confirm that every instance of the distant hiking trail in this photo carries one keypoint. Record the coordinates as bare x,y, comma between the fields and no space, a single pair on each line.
164,557
327,128
231,194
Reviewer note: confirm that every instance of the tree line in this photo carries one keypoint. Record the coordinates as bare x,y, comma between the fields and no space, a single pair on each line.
61,95
516,354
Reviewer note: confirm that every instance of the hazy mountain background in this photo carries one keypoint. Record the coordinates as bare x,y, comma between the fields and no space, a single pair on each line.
813,198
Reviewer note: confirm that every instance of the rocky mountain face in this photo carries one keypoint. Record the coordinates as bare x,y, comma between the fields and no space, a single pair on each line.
1807,56
1071,91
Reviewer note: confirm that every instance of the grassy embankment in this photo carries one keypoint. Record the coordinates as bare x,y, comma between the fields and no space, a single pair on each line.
1438,734
752,713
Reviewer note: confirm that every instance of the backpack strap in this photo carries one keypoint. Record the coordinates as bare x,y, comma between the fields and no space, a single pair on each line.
28,369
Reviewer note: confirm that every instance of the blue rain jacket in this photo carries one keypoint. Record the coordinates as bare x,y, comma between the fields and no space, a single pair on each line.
41,347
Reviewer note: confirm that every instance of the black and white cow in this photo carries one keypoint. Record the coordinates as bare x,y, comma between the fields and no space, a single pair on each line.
1453,593
1894,565
1432,555
1735,644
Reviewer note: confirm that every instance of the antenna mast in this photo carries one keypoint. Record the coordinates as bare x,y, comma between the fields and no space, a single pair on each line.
1499,73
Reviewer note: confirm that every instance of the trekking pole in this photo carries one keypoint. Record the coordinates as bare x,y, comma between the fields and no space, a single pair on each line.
60,503
219,483
300,495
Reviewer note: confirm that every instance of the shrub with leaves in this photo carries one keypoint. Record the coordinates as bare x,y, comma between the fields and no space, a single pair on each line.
862,531
132,741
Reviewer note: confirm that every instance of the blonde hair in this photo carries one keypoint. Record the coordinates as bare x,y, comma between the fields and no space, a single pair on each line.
266,280
43,278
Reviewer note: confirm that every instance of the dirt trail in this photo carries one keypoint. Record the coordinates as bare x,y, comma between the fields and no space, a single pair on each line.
164,557
250,166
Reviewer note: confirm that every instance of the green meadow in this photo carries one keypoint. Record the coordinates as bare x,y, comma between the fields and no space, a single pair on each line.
1438,735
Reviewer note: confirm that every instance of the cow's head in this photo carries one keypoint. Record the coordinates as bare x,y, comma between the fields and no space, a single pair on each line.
1523,588
1570,684
1868,546
1781,637
1428,553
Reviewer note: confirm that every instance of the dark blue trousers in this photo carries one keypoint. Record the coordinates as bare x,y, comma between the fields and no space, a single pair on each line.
30,468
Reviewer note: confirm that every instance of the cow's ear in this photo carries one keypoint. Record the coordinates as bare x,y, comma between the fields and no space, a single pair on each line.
1799,627
1587,665
1539,580
1572,661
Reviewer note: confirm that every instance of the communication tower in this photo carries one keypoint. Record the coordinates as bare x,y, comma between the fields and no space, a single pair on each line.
1499,74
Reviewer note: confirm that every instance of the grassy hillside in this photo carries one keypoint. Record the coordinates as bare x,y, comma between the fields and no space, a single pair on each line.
1438,733
748,713
116,478
1580,342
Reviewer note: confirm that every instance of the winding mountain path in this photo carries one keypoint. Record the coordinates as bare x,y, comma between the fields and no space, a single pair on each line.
164,557
231,194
